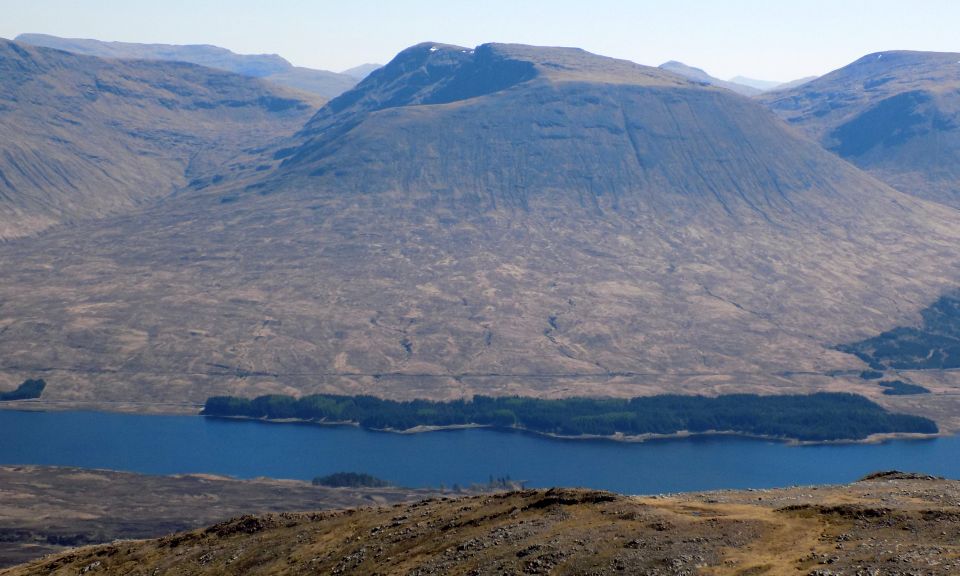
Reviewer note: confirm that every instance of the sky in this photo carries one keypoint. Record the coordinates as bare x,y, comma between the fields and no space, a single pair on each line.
766,39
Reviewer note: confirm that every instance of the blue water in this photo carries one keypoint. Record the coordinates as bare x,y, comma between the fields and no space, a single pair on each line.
184,444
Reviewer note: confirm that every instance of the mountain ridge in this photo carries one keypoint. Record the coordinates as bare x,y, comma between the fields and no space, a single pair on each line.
271,67
700,75
89,137
895,114
362,71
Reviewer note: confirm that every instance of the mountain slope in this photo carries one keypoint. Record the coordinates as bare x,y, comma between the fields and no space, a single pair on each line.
87,137
890,519
895,114
761,85
499,220
362,71
50,509
793,83
268,66
699,75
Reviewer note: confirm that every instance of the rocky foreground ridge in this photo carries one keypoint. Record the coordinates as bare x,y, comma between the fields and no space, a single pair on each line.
887,523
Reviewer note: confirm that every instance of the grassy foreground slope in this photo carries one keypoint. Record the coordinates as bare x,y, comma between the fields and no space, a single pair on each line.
890,524
49,509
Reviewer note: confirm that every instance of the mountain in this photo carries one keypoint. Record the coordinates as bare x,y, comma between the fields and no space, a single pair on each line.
887,520
793,83
87,137
362,71
761,85
739,84
268,66
895,114
699,75
498,220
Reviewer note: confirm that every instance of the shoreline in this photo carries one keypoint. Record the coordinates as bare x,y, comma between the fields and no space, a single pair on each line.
878,438
192,409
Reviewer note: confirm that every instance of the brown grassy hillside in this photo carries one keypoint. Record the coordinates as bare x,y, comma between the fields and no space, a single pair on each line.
85,137
505,219
895,114
49,509
893,524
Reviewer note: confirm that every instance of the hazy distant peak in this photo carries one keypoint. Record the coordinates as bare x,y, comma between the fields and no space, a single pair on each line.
691,72
793,83
269,66
257,65
699,75
763,85
362,71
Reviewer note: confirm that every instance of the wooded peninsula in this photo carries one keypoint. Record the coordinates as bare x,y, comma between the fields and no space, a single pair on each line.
811,417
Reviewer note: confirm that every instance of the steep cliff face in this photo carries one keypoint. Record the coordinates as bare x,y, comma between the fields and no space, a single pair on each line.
895,114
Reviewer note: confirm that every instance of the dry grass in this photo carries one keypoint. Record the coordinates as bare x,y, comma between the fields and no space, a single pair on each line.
909,524
44,510
893,114
553,238
87,137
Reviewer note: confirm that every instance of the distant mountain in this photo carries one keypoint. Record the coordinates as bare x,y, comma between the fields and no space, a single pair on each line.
700,76
501,220
895,114
86,137
793,83
362,71
761,85
268,66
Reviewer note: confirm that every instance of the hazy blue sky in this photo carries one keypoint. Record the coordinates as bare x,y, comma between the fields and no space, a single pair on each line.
767,39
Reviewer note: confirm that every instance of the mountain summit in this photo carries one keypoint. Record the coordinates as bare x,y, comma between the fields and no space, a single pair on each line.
509,125
700,75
